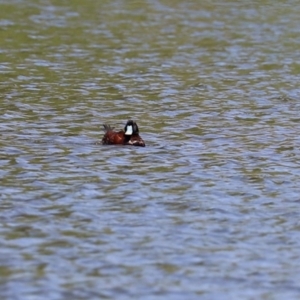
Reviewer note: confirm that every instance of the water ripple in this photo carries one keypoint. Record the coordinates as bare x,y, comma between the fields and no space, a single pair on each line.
208,208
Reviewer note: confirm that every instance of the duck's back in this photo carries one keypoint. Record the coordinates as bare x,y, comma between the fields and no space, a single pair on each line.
112,137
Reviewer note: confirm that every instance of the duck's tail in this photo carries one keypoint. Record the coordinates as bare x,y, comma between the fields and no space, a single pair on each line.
108,128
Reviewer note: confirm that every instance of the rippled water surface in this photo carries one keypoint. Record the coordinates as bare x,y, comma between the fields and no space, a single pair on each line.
209,209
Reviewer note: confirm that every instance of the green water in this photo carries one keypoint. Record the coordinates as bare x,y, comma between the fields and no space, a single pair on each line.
208,209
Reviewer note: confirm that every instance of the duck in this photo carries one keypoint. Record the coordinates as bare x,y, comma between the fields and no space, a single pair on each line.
128,136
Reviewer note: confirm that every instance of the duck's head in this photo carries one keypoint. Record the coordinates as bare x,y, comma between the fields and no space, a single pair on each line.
131,128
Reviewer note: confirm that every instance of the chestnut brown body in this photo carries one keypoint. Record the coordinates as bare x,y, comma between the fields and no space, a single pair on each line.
128,136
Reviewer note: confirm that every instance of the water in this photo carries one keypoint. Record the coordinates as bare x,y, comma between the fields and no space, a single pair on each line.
209,209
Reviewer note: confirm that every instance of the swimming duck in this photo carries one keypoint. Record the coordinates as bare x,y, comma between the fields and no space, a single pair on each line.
128,136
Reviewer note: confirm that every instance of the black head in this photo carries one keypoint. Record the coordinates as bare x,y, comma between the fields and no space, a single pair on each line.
131,128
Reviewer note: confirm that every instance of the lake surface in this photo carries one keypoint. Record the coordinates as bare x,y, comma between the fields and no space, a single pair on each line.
209,209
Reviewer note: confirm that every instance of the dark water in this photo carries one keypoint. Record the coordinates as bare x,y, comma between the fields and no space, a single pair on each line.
209,209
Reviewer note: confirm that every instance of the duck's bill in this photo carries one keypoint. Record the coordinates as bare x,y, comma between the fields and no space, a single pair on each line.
129,130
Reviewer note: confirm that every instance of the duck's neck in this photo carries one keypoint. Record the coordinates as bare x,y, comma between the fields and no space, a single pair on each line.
127,138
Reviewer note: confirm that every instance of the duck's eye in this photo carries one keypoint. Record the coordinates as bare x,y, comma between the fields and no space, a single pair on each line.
129,130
